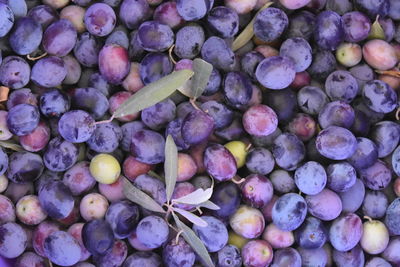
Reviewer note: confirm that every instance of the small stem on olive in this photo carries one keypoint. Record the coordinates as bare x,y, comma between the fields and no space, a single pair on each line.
398,114
193,102
171,57
105,121
368,218
36,58
248,147
238,181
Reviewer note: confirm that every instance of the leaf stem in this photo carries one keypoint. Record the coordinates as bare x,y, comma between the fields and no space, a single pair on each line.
167,216
199,210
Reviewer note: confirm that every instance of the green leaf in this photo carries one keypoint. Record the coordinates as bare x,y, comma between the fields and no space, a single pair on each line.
191,217
170,166
136,195
376,31
156,175
195,242
248,32
153,93
11,145
209,205
202,72
196,197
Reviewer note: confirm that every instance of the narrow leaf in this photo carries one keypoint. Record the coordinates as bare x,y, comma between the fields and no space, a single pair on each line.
136,195
202,72
195,242
196,197
11,145
191,217
376,31
209,205
186,89
170,166
153,93
156,175
248,32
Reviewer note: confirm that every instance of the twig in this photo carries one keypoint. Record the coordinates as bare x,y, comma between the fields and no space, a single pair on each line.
393,73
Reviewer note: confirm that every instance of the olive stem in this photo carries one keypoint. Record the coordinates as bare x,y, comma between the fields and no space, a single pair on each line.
36,58
368,218
398,114
193,102
170,54
248,147
105,121
235,181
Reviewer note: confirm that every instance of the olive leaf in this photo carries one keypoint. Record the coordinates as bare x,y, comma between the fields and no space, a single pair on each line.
208,205
195,242
376,31
153,93
196,197
136,195
170,166
191,217
156,175
196,86
11,145
248,32
202,72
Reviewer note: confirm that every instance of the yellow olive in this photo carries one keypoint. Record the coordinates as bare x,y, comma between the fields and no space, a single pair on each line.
239,151
237,240
349,54
375,237
105,168
247,222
